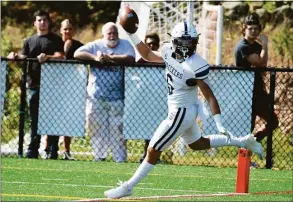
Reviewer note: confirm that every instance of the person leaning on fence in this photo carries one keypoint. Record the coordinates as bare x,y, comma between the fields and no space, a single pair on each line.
252,51
106,92
70,46
152,40
186,71
43,45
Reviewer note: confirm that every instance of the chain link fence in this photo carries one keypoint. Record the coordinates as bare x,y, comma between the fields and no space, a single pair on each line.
68,106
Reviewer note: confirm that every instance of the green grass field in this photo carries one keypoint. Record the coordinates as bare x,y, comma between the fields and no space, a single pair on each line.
59,180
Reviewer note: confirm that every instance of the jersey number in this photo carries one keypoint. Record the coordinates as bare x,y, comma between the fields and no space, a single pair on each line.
170,87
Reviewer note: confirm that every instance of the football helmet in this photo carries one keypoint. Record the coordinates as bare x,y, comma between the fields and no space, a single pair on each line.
184,39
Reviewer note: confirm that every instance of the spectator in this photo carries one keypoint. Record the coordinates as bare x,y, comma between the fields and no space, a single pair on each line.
252,51
43,45
152,40
105,92
70,46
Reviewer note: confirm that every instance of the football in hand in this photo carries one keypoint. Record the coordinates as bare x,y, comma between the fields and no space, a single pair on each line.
128,19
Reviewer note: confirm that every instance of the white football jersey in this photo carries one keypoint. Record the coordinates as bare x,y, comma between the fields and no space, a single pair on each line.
177,76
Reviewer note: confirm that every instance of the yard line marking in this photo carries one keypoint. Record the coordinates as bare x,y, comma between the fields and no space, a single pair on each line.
55,179
44,196
273,192
186,196
101,186
151,174
165,197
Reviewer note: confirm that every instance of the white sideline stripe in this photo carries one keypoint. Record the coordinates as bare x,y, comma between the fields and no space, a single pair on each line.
11,148
14,151
168,197
98,186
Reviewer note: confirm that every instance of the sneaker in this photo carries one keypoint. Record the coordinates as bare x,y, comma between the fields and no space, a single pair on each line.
119,192
45,154
32,154
251,144
67,156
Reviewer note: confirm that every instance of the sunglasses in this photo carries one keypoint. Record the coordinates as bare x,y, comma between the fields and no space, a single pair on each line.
152,43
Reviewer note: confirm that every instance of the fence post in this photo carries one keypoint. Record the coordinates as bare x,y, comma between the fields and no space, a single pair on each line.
22,109
269,162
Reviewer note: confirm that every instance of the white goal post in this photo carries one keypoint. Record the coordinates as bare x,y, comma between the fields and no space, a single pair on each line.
161,16
210,25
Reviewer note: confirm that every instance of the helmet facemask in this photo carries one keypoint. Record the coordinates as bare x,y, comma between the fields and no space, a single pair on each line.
185,46
184,40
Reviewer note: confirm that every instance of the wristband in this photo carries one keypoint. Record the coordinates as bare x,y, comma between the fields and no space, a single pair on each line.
134,39
218,120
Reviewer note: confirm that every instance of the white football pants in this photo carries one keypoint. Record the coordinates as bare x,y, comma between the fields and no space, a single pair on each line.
180,122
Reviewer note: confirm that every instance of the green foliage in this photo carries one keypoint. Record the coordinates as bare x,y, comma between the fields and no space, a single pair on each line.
81,13
270,6
283,43
6,45
282,150
10,121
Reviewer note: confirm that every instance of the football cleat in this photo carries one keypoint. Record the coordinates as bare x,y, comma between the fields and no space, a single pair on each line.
118,192
251,144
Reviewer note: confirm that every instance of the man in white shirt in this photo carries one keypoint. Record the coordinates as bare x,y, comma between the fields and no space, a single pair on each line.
106,92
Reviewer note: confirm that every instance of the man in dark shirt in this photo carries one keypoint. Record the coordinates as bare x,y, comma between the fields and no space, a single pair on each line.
43,45
252,52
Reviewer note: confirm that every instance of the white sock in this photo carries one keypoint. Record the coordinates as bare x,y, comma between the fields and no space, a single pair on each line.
222,140
140,173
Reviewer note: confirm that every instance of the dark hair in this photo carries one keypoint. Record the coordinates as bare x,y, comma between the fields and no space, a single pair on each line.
252,19
43,13
153,36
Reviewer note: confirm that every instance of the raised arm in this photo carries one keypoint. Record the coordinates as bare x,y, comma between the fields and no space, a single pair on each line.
262,59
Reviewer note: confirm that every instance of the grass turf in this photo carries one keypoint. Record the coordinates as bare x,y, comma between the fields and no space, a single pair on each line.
59,180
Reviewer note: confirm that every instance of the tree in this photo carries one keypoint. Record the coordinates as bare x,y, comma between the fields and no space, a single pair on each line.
81,13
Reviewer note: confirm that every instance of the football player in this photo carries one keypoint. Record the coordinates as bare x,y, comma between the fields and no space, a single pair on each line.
186,71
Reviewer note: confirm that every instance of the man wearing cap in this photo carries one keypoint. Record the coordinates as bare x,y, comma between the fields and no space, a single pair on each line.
252,52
